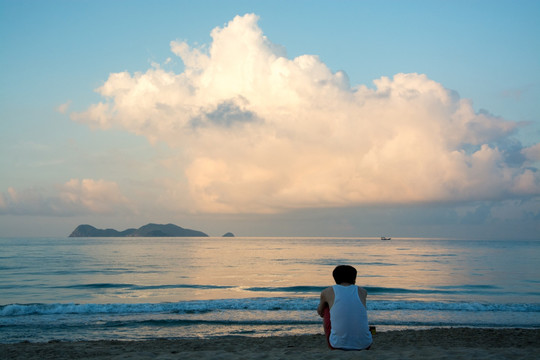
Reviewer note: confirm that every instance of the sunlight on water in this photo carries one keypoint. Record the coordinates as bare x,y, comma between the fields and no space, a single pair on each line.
139,287
173,269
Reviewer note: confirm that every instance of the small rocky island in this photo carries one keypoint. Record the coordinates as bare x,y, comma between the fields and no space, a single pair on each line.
149,230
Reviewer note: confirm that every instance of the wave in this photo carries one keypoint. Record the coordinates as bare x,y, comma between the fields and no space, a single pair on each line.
141,287
227,322
287,322
300,289
457,289
295,289
253,304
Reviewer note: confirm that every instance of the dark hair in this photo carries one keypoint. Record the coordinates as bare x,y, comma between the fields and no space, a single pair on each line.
344,274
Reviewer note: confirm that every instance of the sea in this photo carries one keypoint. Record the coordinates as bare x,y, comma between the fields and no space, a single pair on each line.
72,289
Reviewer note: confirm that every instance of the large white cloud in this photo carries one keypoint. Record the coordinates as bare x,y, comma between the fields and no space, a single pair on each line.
259,132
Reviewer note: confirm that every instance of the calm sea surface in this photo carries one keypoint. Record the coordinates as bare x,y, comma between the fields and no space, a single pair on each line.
144,288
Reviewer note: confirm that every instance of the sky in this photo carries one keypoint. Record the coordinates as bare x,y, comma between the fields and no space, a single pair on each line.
271,118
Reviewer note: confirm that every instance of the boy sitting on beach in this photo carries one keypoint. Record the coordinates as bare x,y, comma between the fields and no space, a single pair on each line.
343,309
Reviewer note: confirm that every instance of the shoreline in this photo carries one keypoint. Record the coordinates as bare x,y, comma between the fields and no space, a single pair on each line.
454,343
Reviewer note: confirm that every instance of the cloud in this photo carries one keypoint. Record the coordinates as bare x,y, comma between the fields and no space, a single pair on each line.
517,93
75,197
63,108
261,133
532,153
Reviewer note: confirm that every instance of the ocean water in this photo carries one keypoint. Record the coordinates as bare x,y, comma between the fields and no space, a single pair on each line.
145,288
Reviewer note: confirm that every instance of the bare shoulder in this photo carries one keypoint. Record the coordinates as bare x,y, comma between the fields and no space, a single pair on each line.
327,300
327,295
328,291
362,293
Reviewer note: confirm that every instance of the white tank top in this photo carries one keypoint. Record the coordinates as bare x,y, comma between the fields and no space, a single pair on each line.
348,316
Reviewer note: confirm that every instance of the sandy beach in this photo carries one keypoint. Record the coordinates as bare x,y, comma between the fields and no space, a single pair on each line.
453,343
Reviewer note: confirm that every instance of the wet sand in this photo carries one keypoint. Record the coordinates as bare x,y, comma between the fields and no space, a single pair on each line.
447,343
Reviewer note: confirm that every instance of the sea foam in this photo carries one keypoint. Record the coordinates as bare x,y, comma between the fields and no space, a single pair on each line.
263,304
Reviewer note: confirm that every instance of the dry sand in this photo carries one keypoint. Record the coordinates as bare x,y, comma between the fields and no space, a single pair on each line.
453,343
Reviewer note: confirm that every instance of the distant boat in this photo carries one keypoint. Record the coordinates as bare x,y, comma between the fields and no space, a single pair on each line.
385,238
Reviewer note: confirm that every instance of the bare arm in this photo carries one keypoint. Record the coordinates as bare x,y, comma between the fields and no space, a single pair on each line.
362,293
327,300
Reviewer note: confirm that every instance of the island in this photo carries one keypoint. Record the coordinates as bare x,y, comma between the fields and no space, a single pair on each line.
229,234
149,230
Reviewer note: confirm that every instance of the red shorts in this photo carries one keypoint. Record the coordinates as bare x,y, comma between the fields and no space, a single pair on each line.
327,324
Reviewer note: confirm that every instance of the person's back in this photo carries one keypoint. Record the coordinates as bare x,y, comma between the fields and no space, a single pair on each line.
350,328
343,309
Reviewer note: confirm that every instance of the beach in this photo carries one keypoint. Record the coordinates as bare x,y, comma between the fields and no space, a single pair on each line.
437,343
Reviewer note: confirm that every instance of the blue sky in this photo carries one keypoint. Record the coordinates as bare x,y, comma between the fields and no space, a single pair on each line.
329,118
